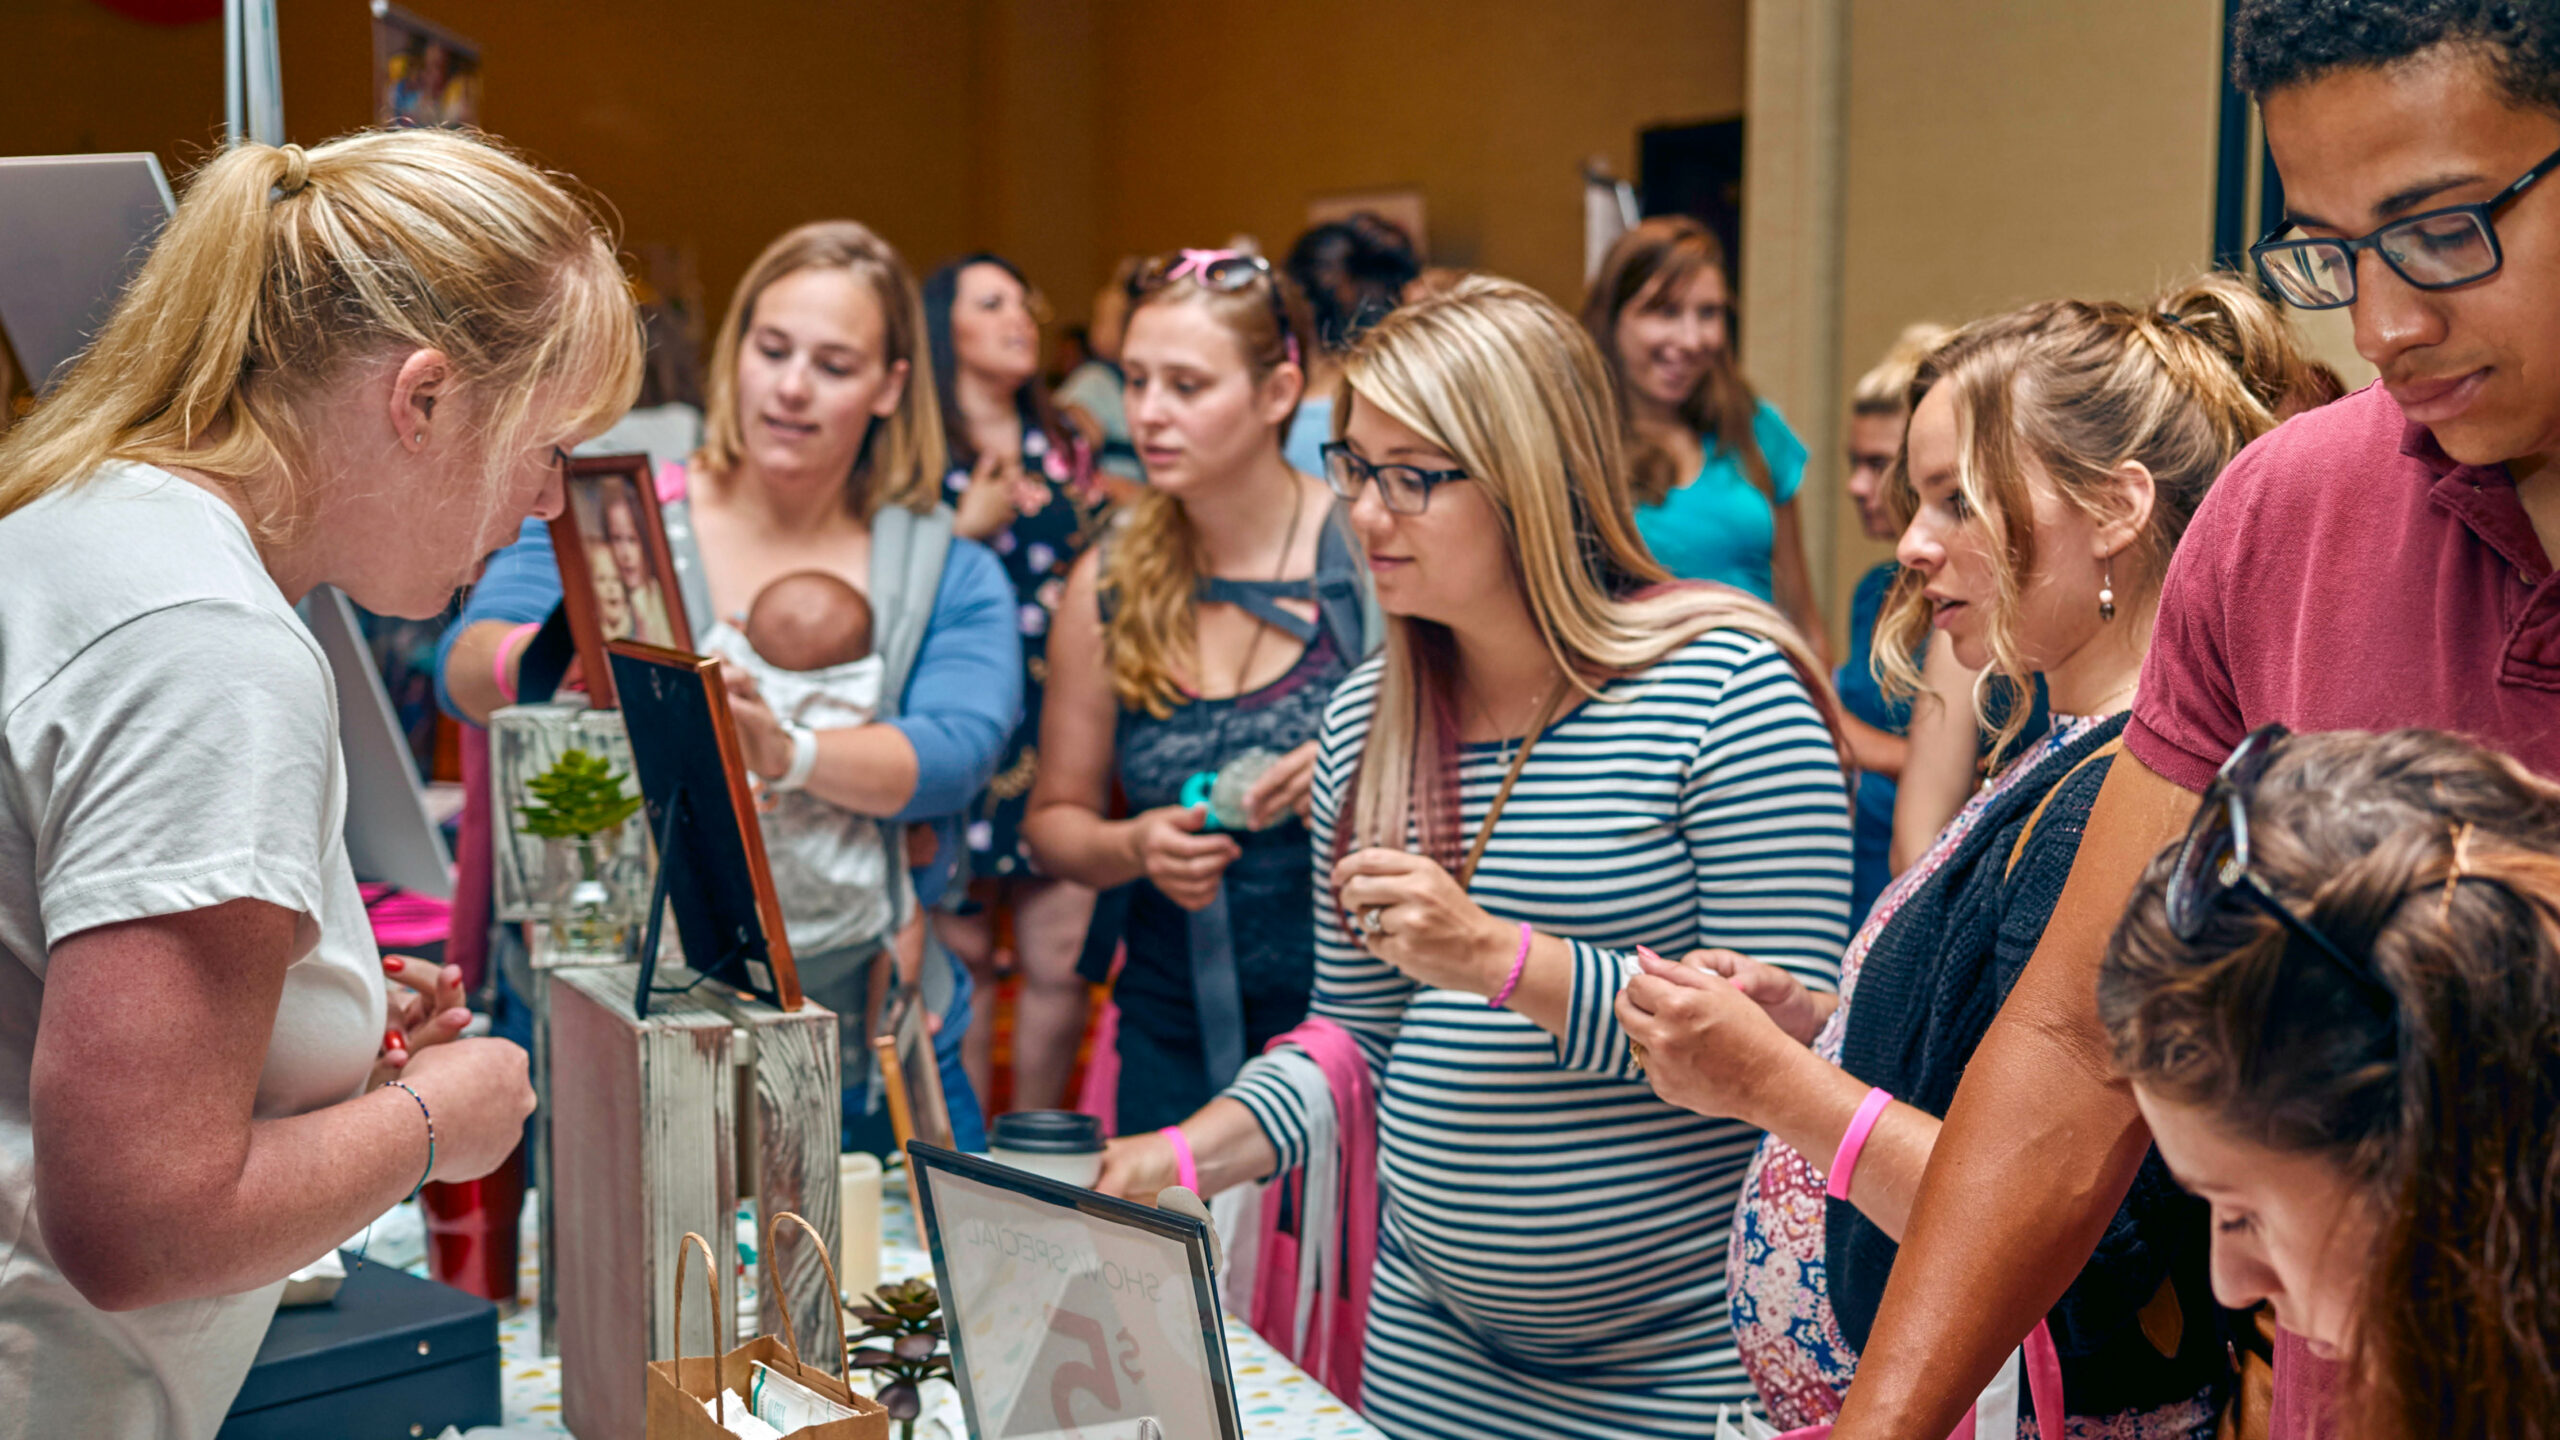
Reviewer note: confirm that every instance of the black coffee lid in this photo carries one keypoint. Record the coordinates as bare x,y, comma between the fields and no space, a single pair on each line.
1047,1132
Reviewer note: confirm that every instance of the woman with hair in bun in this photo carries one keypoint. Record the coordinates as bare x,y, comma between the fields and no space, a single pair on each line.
1560,759
203,1085
2054,457
2337,1000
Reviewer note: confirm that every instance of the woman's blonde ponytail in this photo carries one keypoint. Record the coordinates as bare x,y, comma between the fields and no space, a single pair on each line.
282,269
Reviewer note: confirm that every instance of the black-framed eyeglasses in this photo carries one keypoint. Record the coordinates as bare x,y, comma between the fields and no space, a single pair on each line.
1404,489
2432,250
2213,863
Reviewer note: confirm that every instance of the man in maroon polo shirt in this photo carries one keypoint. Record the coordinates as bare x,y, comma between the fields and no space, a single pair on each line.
2384,561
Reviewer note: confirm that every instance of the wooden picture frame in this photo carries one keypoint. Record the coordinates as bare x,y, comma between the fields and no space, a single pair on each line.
911,1081
617,573
711,858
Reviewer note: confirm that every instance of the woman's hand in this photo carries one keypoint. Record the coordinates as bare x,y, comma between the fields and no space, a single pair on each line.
428,1011
479,1094
1184,863
1706,1046
1797,1010
1138,1167
1410,913
1288,785
760,733
988,504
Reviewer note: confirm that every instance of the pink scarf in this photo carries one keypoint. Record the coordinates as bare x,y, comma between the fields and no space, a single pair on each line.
1341,1322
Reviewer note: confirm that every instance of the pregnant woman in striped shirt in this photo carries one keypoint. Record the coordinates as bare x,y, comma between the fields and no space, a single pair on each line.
1613,762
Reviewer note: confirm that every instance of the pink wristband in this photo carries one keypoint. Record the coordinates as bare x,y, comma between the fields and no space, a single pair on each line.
1519,963
1845,1164
498,665
1186,1166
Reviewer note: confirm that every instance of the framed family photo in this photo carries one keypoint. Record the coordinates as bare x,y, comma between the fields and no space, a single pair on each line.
617,575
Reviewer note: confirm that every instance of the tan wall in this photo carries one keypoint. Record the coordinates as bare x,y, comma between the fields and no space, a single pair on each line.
696,126
1217,119
2000,151
1061,132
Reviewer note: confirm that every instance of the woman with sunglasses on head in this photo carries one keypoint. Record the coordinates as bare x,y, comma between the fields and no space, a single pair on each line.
1560,759
203,1086
2054,457
1714,467
1196,647
2337,1000
1022,481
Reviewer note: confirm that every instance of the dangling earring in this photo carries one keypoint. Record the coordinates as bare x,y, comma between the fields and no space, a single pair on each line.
2107,593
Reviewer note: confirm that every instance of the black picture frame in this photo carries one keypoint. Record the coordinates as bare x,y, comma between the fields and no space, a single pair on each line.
931,1161
712,871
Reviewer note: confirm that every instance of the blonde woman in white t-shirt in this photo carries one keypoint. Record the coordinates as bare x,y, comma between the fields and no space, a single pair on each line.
354,366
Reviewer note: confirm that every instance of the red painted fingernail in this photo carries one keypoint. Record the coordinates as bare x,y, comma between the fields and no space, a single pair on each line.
394,1040
390,965
1645,952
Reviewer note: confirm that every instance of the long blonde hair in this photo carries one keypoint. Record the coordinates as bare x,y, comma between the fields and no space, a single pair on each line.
1495,374
902,455
1660,257
1151,572
2081,387
284,269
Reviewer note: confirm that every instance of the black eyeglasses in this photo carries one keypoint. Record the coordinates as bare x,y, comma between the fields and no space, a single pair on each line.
1404,489
2213,863
2432,250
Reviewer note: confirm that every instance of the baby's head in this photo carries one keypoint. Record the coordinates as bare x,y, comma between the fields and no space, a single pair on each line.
809,620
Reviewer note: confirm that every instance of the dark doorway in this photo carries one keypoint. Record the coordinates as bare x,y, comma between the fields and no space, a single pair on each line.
1696,170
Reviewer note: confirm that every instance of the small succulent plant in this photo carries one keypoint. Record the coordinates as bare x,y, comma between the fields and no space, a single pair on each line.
908,1316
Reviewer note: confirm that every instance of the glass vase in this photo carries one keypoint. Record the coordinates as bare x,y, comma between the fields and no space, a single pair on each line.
590,911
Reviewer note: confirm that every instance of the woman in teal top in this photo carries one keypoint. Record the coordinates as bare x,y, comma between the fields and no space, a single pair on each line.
1717,469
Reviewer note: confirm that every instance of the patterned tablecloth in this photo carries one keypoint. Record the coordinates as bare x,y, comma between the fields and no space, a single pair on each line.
1276,1399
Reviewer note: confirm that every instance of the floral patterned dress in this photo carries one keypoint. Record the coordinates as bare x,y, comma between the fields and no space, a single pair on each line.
1058,507
1783,1324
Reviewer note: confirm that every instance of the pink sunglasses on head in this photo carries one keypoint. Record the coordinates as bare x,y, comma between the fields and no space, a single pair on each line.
1225,271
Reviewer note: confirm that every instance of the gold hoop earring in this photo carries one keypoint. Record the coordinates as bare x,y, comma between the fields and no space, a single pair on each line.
2107,593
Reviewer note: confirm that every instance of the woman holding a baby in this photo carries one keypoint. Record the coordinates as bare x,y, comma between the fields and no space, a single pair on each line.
822,434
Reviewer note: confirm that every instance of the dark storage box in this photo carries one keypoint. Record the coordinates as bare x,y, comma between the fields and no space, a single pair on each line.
394,1357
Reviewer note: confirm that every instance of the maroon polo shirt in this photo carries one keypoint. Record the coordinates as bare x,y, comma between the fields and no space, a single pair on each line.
2344,573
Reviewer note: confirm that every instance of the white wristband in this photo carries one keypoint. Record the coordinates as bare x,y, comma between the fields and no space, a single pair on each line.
804,758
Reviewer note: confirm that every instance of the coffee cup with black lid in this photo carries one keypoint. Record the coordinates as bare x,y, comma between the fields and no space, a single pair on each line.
1060,1144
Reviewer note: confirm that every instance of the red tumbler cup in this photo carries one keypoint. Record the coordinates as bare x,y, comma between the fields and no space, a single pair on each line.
471,1230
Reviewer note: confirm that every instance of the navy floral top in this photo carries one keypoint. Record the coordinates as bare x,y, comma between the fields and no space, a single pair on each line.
1059,508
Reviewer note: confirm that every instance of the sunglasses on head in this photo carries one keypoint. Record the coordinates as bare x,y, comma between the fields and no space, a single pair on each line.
1225,271
2214,865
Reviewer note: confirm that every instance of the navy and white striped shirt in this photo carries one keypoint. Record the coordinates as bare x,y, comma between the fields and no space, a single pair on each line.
1539,1194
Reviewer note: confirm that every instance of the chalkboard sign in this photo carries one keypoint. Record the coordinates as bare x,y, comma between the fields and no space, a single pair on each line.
711,863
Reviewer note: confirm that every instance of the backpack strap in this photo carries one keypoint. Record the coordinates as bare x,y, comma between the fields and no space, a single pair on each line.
2018,851
1345,599
908,555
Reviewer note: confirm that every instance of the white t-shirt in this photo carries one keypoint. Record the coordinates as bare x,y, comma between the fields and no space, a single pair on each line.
830,866
168,742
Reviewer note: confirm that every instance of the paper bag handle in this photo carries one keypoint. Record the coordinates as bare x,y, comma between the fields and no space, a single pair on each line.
711,1285
835,1287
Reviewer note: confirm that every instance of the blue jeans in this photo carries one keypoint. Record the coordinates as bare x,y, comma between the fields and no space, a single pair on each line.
968,1122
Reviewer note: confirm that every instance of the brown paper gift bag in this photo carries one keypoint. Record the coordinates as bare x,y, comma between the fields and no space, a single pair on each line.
678,1387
